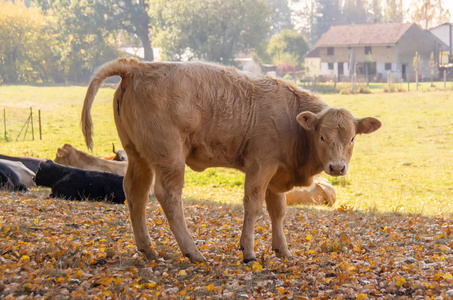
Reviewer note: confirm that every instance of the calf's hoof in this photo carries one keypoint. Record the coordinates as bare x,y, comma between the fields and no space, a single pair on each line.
149,253
196,257
282,253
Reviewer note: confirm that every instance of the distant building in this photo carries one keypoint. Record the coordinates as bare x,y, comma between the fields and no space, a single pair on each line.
372,51
444,33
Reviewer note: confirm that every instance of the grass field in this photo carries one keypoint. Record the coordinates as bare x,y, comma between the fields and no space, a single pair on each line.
389,236
404,167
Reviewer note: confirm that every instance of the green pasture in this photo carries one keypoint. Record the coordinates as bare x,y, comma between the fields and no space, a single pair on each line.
405,167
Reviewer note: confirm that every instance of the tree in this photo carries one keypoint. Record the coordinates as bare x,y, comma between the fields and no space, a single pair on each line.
133,17
328,14
209,29
429,13
433,67
375,12
393,11
25,44
280,15
304,15
416,63
288,47
83,39
354,12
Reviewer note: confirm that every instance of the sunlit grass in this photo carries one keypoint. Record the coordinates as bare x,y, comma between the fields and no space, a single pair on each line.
404,167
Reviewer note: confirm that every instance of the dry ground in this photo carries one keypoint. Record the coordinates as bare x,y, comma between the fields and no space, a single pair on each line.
57,249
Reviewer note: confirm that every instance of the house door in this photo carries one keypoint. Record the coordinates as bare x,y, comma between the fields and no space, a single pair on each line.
340,70
403,72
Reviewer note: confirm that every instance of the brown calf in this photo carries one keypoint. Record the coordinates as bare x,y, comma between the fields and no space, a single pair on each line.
205,115
70,156
321,192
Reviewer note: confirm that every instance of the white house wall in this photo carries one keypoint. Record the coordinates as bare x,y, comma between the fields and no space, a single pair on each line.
331,73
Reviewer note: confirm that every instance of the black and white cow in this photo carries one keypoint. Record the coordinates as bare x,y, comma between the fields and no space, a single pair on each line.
9,179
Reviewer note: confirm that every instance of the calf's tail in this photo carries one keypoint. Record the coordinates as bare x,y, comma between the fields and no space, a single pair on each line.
120,67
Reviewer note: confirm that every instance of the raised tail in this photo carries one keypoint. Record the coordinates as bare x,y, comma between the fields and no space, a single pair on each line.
120,67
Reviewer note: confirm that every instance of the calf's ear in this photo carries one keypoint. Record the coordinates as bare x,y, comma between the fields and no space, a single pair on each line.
307,120
61,152
368,125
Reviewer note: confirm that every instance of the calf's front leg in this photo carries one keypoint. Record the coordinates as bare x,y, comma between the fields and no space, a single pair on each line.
255,186
276,206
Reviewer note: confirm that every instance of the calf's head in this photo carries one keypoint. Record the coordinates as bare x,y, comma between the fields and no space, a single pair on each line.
334,131
62,156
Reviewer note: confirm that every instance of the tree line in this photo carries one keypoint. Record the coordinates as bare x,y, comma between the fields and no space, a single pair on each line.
64,41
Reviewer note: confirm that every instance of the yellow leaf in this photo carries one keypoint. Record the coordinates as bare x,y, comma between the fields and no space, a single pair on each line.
36,221
281,290
257,267
93,261
400,281
60,279
308,238
182,273
361,296
25,257
106,293
210,287
148,285
118,280
311,251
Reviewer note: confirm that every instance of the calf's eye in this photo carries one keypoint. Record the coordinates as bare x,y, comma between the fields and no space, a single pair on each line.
322,138
352,140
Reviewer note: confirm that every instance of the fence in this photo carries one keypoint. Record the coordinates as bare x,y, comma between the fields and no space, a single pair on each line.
362,84
19,124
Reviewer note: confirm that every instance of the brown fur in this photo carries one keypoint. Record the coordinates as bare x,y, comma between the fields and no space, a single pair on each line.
70,156
205,115
321,192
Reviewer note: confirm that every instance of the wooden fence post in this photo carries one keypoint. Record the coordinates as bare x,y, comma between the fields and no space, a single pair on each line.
4,123
39,121
445,79
32,127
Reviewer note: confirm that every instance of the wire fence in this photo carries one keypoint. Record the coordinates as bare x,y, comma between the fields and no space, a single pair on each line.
20,124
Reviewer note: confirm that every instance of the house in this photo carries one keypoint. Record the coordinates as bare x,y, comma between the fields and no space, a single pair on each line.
312,63
372,51
444,33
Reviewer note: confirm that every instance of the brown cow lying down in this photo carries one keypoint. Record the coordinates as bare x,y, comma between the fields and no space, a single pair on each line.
321,192
70,156
120,155
205,115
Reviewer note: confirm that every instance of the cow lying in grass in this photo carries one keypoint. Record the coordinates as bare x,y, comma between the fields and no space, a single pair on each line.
120,155
9,179
25,174
77,184
70,156
30,162
321,192
204,115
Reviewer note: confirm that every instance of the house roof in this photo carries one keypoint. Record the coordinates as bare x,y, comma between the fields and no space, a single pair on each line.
313,53
366,34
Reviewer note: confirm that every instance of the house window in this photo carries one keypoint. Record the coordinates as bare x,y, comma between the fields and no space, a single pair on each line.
330,65
388,66
367,50
329,50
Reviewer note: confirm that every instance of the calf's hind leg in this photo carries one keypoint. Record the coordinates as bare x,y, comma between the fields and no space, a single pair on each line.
137,184
168,191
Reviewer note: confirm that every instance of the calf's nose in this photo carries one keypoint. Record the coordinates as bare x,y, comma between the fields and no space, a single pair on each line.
337,169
